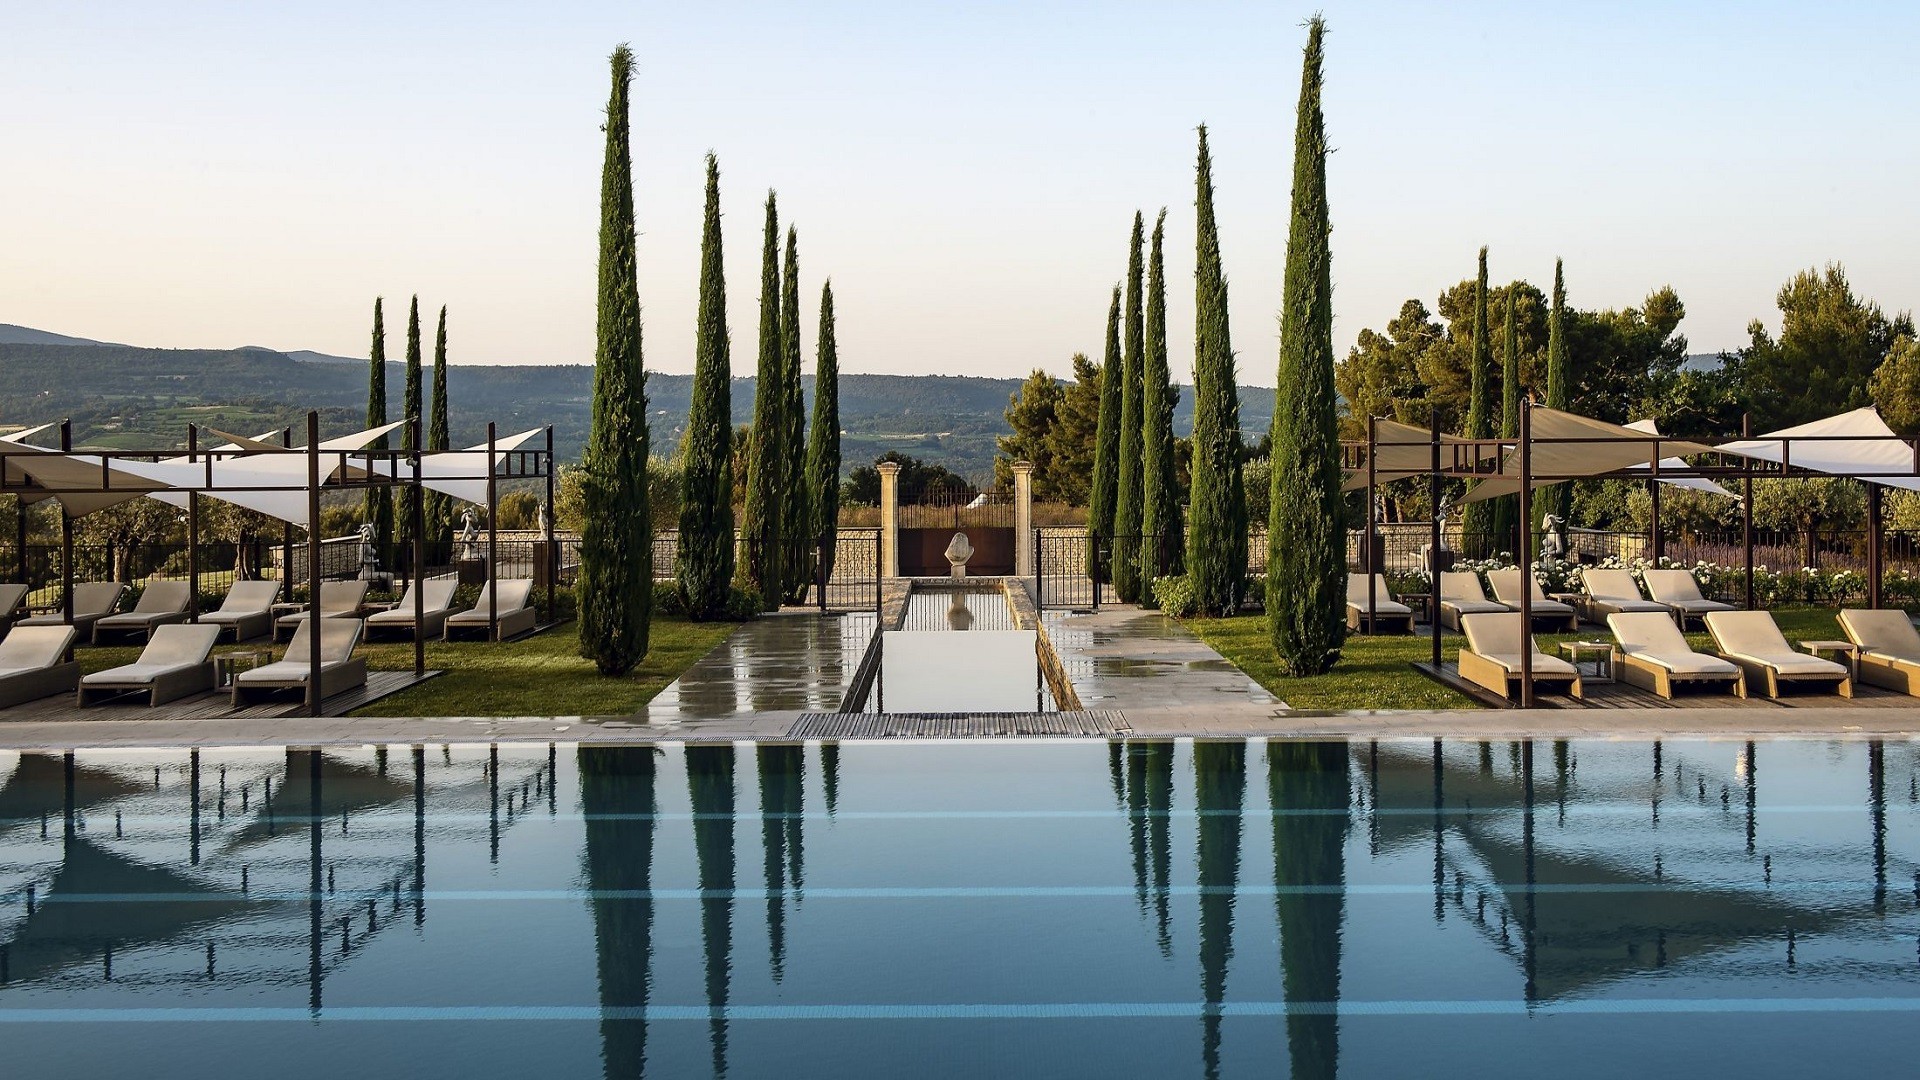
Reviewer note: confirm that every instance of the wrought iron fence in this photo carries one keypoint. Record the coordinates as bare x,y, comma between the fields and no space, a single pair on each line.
41,570
944,507
849,581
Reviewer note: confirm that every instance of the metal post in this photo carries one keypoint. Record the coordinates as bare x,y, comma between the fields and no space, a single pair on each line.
553,551
193,532
1433,556
1746,506
66,536
1658,534
286,535
1875,565
493,542
1039,560
1366,542
820,569
419,509
315,691
1526,556
20,537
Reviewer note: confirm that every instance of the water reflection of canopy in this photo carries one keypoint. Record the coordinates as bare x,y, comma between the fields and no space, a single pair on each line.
1627,923
345,788
38,786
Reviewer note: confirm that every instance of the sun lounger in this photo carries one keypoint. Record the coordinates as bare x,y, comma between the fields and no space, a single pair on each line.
1506,589
247,610
1389,615
1681,594
172,666
516,613
33,663
436,598
1889,648
1753,640
339,668
92,601
1492,656
1462,595
338,600
161,602
11,597
1613,592
1653,654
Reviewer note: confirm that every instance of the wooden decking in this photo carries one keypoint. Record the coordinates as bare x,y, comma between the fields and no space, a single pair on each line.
214,705
1620,695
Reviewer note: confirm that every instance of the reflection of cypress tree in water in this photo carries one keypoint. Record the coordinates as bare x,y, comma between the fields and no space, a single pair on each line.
782,780
1116,758
617,798
1220,781
1308,854
1133,792
710,784
830,775
1148,793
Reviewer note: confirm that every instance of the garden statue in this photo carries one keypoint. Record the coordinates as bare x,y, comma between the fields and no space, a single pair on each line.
469,536
959,550
1553,545
546,518
369,558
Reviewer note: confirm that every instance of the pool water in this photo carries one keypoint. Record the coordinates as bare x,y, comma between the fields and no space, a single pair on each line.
964,909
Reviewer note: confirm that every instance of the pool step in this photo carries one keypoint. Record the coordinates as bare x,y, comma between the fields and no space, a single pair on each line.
1097,722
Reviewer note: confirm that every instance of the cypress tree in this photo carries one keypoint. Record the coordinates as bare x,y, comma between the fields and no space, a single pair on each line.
409,411
823,439
704,566
1555,499
439,504
1160,552
796,518
1106,449
615,588
766,468
1506,508
1217,532
1307,536
1128,495
379,502
1477,519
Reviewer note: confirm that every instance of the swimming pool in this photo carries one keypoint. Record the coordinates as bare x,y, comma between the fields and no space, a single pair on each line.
1068,908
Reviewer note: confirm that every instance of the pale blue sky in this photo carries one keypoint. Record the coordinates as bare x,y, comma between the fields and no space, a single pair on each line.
193,174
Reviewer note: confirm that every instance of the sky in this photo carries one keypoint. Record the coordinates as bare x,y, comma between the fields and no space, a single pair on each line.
215,175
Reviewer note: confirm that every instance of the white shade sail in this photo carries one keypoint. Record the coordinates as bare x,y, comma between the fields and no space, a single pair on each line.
1857,443
1678,465
1600,448
1402,450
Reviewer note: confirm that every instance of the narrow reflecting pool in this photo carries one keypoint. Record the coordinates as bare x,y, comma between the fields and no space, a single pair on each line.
1068,908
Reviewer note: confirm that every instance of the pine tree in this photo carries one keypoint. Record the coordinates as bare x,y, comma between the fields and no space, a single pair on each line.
409,412
615,588
823,439
1217,533
379,502
439,504
704,564
1160,547
796,515
766,468
1106,450
1307,536
1555,500
1477,519
1128,494
1506,508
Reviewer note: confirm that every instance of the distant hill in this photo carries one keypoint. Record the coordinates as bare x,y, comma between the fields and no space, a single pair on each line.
27,335
126,396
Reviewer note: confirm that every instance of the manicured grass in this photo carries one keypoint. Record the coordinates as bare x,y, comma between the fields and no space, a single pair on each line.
1375,672
543,675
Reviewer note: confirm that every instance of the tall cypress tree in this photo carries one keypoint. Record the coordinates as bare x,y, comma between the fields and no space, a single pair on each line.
410,410
615,588
1477,520
1106,449
823,439
704,565
1160,552
1217,533
379,502
439,504
1506,508
1128,495
766,468
1556,500
796,517
1307,535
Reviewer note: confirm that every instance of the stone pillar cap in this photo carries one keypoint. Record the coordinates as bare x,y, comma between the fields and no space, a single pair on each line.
890,466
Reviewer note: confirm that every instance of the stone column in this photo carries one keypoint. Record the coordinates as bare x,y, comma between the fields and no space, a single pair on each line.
1023,518
889,519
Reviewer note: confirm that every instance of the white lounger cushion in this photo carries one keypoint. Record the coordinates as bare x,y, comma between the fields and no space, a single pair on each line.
1651,636
1676,588
10,598
1499,637
173,648
91,599
1883,635
1383,601
1616,589
514,594
1506,589
159,600
1754,636
337,640
244,599
437,597
34,648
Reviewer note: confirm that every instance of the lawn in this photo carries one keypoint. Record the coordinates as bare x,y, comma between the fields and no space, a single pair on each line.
1375,672
542,675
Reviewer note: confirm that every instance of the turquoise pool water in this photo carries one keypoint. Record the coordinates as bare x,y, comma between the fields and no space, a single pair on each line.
964,909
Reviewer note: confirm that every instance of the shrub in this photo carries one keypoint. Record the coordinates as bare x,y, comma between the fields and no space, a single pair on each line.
1174,595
